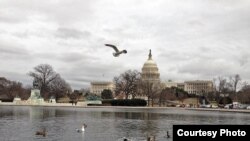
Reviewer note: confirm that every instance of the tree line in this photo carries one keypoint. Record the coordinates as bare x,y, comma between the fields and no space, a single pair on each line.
232,87
130,84
50,83
10,89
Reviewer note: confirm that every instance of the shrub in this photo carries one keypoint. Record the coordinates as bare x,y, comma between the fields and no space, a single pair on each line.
225,100
106,94
106,102
127,102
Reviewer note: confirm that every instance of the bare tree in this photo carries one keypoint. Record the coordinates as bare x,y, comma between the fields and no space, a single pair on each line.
165,95
127,83
244,93
84,91
44,75
222,84
4,83
223,88
234,82
180,94
74,97
15,89
215,95
145,88
150,90
228,85
26,94
171,94
11,88
59,87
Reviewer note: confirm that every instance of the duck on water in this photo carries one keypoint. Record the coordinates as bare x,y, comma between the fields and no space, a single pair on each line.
42,133
82,129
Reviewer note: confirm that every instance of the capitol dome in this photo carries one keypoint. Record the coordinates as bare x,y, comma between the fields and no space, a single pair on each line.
150,70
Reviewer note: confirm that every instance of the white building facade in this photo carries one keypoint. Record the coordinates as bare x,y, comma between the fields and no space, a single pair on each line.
98,86
198,87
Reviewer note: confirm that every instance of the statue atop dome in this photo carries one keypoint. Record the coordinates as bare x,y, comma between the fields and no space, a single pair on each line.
150,55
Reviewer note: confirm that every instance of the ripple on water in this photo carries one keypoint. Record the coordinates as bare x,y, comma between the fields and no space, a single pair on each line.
103,124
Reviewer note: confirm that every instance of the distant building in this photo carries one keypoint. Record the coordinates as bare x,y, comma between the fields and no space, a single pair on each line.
98,87
150,72
181,86
169,84
198,87
150,76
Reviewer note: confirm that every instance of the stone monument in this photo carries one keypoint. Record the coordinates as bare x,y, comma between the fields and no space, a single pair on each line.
17,100
52,100
35,97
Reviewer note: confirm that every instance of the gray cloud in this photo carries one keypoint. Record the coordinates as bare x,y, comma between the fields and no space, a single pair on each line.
12,50
190,39
9,50
66,33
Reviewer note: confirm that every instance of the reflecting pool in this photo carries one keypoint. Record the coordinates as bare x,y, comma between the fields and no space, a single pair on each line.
20,123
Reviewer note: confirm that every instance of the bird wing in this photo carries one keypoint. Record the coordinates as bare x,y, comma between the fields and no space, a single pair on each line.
114,47
125,51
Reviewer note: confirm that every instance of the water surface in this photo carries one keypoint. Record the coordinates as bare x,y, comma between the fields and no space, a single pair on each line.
19,123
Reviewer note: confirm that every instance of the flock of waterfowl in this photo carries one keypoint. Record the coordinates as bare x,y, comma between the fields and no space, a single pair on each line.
84,126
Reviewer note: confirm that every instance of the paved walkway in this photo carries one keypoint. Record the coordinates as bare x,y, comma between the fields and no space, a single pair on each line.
221,110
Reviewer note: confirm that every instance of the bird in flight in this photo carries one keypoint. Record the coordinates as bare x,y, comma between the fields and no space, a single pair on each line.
117,52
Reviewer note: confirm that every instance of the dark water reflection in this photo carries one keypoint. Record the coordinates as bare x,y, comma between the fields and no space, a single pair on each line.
104,124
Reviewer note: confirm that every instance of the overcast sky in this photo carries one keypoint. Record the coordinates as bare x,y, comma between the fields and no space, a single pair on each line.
190,39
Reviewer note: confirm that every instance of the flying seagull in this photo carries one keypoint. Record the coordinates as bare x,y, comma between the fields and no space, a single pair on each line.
117,52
